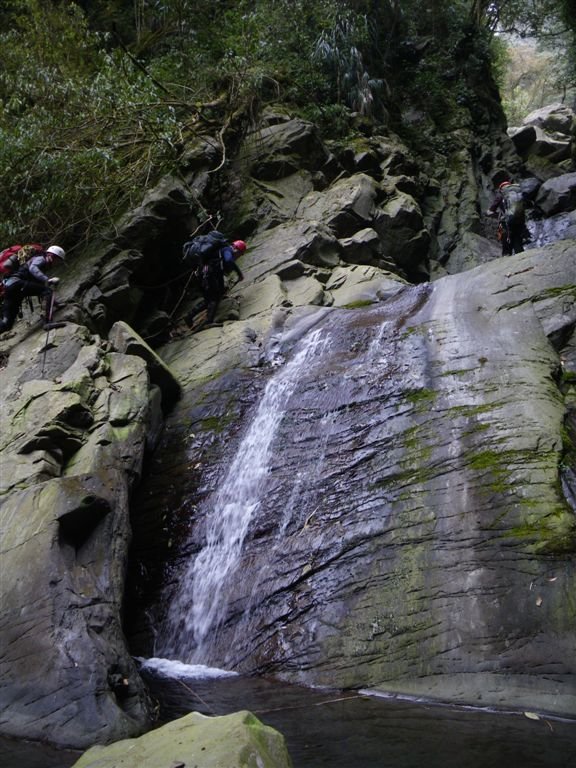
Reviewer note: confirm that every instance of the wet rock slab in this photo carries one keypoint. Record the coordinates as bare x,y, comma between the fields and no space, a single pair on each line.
407,523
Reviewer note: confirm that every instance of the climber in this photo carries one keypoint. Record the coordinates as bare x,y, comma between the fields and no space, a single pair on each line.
212,276
211,258
229,255
508,205
30,279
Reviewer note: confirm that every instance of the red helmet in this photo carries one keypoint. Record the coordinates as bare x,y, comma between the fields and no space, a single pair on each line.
504,184
239,245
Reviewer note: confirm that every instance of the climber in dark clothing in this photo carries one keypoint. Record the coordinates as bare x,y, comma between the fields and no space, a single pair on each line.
212,287
212,276
30,279
229,255
508,205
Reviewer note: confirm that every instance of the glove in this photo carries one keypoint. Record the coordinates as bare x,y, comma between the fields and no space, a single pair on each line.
53,280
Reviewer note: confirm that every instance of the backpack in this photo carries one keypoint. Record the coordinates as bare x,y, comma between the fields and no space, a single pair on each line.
12,258
513,201
204,249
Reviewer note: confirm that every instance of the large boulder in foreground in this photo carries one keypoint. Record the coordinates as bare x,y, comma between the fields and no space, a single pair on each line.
238,740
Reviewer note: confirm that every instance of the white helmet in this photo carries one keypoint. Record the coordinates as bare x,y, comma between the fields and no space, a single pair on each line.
57,251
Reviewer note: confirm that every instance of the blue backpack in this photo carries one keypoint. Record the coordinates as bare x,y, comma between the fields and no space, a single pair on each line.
204,250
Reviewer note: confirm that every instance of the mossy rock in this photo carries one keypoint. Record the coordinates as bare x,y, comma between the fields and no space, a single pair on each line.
239,740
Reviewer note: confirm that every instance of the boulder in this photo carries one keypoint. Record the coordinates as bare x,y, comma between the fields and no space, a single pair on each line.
292,270
523,137
281,149
401,228
359,286
272,252
124,339
304,291
346,207
397,160
364,247
472,251
545,141
264,204
549,146
557,195
361,158
198,741
163,218
553,118
262,297
115,297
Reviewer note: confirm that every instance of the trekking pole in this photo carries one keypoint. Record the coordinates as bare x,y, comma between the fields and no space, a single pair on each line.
51,307
48,322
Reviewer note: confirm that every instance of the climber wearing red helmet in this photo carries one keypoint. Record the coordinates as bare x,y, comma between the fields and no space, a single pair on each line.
229,255
240,246
212,258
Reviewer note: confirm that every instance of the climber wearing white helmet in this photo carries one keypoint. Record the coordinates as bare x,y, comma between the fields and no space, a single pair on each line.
26,269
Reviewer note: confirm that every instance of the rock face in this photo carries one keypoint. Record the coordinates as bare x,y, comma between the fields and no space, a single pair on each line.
558,194
389,486
545,141
76,417
240,740
408,472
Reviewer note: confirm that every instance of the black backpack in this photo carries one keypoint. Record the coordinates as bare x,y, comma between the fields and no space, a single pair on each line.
203,250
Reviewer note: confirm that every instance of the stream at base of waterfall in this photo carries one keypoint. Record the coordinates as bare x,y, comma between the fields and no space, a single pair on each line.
335,729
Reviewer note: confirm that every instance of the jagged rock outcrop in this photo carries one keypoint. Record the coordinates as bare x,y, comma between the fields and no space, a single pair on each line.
557,195
370,203
77,417
545,141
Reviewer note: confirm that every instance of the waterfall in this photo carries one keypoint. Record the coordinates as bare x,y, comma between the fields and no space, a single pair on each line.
201,602
306,489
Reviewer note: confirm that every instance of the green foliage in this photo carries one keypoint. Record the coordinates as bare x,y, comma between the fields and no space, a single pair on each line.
551,23
500,60
82,130
98,99
332,119
338,49
98,96
531,80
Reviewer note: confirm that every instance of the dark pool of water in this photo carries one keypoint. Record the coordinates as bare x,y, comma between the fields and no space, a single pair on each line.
23,754
330,729
341,730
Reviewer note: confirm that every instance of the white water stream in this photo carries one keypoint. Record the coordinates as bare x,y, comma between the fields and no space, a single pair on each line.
201,602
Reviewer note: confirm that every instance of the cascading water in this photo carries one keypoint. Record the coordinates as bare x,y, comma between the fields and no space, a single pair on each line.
287,474
201,603
305,494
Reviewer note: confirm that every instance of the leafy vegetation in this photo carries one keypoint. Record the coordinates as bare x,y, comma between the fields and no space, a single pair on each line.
99,97
532,73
